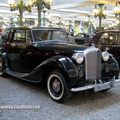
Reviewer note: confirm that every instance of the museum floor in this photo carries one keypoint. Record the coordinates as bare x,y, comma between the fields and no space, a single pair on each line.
82,106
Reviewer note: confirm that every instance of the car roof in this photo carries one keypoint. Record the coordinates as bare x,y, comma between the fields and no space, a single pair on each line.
109,31
34,28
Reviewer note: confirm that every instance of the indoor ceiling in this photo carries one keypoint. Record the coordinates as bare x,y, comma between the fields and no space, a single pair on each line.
67,9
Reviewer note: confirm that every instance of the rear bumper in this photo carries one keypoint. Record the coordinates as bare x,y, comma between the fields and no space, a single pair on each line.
97,87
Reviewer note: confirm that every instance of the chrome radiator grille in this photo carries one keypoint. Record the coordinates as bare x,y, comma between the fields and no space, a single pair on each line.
93,65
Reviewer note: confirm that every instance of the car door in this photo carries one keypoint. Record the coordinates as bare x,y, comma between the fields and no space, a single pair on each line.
17,42
43,51
19,45
27,58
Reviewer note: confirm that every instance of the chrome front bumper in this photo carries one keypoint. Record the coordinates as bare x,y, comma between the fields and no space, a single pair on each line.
97,87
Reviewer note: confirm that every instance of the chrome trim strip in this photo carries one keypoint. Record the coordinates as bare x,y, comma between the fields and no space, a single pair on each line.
117,81
112,82
82,88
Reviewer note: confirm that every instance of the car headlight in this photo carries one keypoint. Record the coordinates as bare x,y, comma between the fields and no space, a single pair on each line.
79,57
105,56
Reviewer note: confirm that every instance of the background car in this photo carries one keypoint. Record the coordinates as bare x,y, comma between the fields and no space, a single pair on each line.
108,40
82,38
45,55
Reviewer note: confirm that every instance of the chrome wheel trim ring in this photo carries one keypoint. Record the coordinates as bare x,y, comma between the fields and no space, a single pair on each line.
49,87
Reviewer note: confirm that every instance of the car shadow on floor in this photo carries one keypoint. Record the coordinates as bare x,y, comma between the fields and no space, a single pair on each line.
89,99
95,101
37,87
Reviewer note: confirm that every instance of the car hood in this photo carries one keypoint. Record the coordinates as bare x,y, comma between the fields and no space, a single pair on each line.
63,47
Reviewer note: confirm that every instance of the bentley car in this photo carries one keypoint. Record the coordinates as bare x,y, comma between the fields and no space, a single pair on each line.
108,40
45,55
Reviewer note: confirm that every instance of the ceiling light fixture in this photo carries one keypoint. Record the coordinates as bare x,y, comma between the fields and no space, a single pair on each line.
117,9
100,12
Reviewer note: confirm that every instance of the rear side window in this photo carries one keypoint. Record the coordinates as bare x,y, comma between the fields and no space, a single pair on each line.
6,37
19,36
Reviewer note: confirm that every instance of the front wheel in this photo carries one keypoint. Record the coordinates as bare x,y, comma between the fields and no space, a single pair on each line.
57,87
105,90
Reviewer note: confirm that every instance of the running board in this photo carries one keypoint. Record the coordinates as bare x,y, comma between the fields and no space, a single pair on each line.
17,74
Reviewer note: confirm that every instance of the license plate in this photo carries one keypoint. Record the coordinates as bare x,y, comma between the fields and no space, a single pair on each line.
103,86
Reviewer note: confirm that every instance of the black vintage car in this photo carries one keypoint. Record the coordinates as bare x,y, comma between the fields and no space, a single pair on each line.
45,55
108,40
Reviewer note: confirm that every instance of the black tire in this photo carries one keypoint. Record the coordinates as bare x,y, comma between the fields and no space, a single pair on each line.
2,73
57,87
105,90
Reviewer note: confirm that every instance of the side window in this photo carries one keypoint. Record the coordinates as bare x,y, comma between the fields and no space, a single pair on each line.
6,37
59,35
19,36
40,35
45,35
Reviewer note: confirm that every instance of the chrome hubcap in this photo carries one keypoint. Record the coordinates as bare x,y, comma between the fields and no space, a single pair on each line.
56,85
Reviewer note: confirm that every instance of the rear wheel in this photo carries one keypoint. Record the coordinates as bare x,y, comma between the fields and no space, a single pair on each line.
57,87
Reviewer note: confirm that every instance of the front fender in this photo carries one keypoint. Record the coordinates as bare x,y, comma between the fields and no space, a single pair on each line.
110,68
114,65
64,64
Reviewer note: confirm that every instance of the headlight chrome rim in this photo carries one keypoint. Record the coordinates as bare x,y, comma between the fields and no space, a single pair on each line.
79,57
105,56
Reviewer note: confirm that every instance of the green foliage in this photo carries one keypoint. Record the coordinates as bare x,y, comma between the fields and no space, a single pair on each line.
118,26
1,22
41,4
21,7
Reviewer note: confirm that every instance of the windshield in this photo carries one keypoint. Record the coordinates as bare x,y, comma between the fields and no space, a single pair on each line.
110,38
43,35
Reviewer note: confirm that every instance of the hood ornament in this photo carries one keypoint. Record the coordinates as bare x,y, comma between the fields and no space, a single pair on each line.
106,49
93,44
